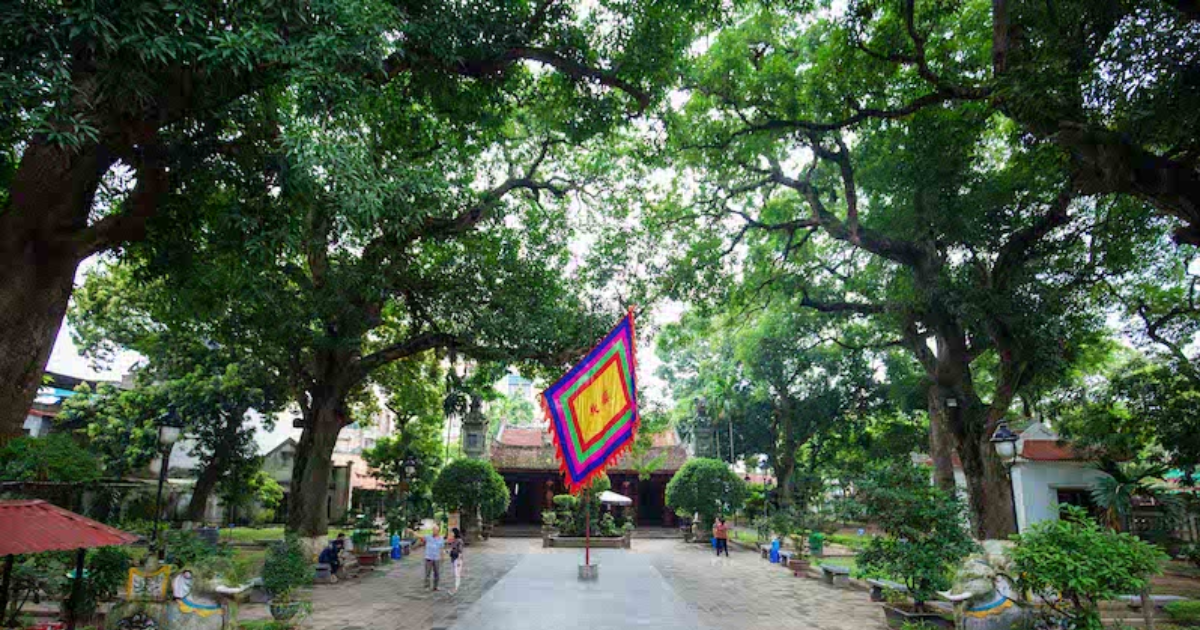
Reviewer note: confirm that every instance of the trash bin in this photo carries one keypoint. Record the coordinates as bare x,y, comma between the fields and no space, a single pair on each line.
816,543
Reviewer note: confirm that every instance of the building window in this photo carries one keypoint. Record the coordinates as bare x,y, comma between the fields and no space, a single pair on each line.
1079,497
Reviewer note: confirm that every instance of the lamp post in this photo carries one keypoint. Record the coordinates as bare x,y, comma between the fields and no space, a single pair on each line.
410,469
1005,442
169,428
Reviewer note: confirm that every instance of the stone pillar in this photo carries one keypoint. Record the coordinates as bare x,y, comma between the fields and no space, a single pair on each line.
474,430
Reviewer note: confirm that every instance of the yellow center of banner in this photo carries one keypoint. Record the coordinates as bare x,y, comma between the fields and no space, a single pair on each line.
600,401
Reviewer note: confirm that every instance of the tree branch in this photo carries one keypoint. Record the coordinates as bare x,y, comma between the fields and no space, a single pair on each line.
141,205
398,63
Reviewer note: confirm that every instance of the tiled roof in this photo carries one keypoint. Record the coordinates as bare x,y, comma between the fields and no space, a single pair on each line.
1049,451
522,436
36,526
525,448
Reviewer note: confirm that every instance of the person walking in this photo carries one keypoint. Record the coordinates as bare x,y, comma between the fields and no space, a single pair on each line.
455,544
721,535
433,556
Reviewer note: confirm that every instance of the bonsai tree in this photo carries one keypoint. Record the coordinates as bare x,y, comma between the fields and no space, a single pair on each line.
924,533
285,569
1084,563
706,487
470,486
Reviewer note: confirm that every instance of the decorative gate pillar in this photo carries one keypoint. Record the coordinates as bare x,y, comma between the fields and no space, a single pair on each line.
474,430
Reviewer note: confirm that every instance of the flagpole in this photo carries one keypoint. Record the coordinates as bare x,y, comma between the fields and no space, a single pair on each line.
587,531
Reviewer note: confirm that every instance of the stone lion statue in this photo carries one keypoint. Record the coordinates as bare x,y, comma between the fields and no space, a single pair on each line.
983,596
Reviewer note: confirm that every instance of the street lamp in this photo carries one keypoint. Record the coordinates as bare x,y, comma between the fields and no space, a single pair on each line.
1005,442
169,429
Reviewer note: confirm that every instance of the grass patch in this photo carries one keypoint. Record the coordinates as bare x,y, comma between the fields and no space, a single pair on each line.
251,534
850,562
744,536
850,541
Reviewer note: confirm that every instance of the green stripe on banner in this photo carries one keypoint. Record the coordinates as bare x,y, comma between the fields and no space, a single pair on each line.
568,417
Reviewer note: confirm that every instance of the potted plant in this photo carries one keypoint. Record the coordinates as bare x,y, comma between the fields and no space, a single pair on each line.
364,531
285,569
799,562
923,538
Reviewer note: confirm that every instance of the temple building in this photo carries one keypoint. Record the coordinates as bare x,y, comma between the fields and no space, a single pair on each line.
524,456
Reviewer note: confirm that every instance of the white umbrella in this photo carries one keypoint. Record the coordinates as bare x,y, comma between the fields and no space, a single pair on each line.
612,498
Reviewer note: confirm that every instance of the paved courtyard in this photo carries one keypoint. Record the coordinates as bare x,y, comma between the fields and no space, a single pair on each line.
514,584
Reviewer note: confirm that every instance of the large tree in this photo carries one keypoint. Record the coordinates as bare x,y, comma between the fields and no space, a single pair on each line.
388,227
947,230
113,107
211,388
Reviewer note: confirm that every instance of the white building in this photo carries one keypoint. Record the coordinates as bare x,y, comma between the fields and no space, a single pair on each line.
1046,474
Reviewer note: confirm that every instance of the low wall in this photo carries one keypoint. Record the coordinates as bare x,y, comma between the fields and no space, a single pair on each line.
573,542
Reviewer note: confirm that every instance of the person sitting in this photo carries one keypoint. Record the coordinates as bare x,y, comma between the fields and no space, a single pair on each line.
331,555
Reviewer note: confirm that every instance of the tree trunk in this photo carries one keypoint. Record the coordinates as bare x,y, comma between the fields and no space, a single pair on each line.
988,488
203,489
313,470
50,198
941,443
787,459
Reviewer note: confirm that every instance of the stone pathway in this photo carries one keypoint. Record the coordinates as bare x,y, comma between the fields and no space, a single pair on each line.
514,584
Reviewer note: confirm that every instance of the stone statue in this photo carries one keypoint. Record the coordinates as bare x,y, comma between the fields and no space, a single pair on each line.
196,607
982,595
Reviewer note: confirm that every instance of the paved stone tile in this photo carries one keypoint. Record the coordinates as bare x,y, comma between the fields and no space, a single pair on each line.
514,584
744,592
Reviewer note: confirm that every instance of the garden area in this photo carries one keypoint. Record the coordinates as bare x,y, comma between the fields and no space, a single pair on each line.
915,285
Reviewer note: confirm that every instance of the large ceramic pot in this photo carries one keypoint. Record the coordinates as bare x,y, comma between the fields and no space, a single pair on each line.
897,617
285,611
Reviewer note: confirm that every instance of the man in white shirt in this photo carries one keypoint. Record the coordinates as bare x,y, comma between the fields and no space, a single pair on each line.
433,556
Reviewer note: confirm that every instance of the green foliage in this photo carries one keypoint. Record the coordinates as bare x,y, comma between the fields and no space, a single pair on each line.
185,548
470,485
1083,563
574,511
755,504
32,575
286,568
55,457
706,487
924,536
267,491
1187,612
108,570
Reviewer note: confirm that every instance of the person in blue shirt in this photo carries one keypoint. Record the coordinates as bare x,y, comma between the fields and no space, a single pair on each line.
433,556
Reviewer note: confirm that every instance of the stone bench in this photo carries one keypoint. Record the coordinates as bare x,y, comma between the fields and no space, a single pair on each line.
384,553
835,575
879,586
765,551
1158,601
324,573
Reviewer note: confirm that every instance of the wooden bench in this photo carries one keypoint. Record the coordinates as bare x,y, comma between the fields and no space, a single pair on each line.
879,586
835,575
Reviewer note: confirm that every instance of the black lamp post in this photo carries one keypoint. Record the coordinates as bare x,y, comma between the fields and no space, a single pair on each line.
169,429
1005,442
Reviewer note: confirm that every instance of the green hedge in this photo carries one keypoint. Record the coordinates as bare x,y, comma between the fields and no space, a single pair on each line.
1183,612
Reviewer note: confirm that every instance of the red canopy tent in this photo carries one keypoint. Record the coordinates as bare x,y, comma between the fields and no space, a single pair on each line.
37,526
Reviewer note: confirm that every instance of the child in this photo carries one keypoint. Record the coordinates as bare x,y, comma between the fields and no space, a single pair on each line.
456,556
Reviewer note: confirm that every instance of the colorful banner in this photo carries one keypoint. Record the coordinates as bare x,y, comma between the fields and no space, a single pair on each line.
593,410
